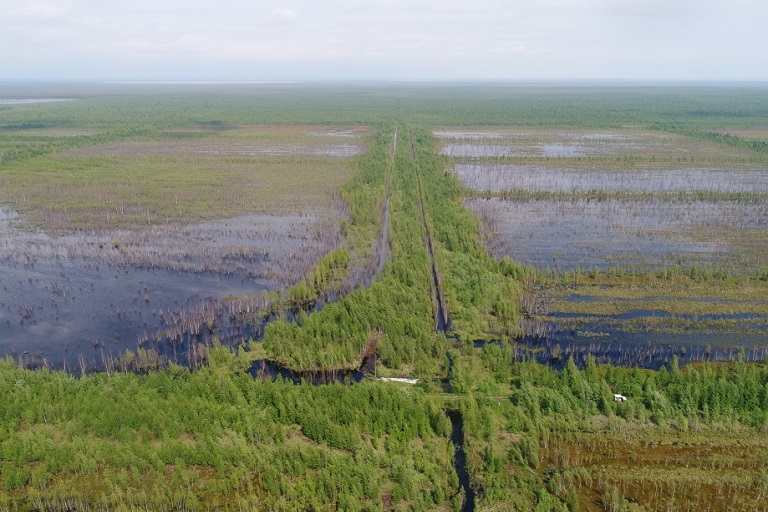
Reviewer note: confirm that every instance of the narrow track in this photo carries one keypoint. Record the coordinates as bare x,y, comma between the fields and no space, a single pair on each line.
383,248
442,322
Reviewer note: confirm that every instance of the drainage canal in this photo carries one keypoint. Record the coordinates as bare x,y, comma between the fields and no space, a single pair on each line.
442,324
460,461
383,247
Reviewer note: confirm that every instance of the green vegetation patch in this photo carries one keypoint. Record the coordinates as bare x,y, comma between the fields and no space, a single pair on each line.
175,439
540,439
392,314
535,438
67,192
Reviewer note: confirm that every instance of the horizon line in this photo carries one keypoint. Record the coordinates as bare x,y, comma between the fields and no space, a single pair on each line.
461,81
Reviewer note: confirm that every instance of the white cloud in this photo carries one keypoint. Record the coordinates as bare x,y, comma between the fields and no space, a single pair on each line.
285,14
39,9
394,39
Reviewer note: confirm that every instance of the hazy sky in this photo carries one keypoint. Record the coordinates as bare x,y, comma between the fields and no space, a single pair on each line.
389,40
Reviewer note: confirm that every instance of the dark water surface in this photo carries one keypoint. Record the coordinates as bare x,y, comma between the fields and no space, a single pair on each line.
638,349
460,460
68,299
568,234
60,308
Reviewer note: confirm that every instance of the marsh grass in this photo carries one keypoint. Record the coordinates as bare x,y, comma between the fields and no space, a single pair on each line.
77,193
673,282
240,141
553,144
658,180
668,305
682,466
716,311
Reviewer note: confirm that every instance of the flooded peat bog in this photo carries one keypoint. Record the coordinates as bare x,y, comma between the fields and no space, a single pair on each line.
123,260
669,179
102,293
531,144
239,141
567,234
606,213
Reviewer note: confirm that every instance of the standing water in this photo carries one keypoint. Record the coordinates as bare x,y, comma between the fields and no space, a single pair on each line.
460,460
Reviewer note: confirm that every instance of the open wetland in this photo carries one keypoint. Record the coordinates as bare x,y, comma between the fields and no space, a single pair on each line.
667,469
138,183
258,303
164,243
240,141
639,235
583,179
524,142
91,294
610,213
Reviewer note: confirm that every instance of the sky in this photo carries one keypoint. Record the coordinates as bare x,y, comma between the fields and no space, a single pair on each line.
307,40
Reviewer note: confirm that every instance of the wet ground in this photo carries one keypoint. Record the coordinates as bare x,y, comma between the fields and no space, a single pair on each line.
240,141
656,228
99,280
570,234
100,294
644,350
665,179
479,144
554,143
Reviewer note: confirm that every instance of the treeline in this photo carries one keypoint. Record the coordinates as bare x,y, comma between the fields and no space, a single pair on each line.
110,107
735,141
335,336
15,148
760,146
217,438
708,392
